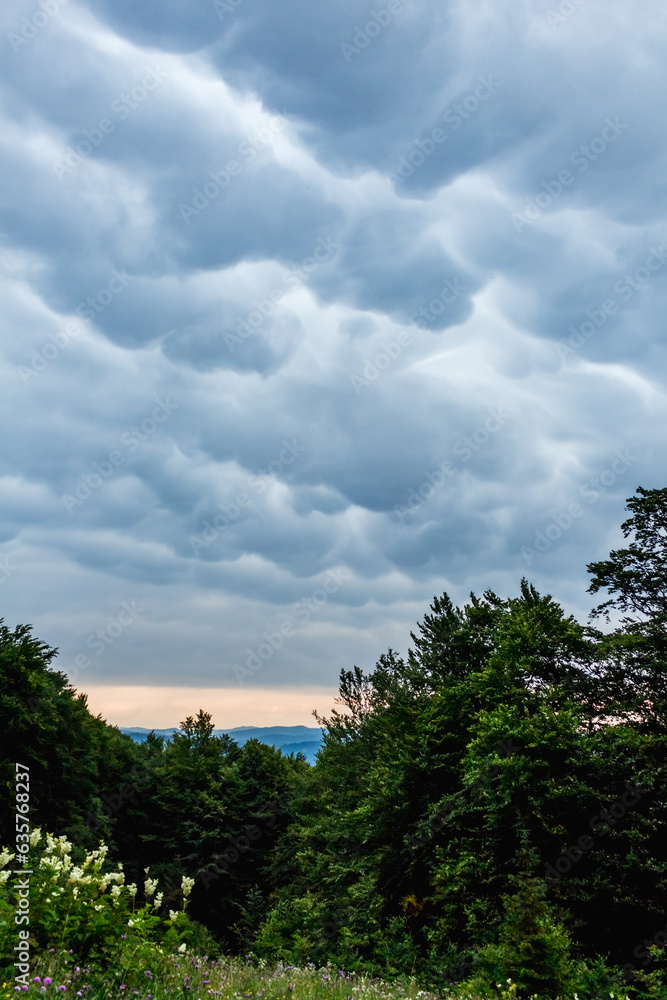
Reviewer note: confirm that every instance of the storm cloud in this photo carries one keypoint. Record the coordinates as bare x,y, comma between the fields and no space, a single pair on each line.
311,313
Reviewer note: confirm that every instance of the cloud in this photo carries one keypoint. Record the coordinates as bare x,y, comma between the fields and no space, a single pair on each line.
288,292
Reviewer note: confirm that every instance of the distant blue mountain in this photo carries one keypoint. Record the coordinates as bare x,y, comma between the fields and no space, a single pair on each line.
288,739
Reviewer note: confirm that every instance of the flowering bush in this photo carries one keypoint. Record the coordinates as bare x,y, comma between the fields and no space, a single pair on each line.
86,913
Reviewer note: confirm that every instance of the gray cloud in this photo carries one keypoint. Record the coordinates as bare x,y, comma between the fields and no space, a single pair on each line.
291,292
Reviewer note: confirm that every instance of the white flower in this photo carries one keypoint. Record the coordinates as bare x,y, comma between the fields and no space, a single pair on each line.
77,875
132,889
150,885
115,892
130,923
4,876
5,856
35,836
182,947
186,885
157,903
173,915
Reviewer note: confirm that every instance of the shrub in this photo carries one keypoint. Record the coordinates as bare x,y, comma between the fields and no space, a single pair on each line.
84,913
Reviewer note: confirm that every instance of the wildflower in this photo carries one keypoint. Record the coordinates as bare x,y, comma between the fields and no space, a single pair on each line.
186,885
173,915
182,947
150,885
6,856
157,903
130,923
132,889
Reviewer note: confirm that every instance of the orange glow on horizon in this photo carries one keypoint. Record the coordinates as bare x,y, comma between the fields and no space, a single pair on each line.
165,707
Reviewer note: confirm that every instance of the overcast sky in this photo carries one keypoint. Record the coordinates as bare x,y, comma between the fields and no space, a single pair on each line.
311,312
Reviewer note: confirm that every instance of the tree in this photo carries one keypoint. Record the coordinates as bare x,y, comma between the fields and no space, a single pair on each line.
636,577
78,764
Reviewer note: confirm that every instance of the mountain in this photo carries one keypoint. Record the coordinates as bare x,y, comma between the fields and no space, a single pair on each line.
288,739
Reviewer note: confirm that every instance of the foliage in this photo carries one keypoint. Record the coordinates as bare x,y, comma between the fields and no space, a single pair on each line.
636,576
77,762
88,910
486,815
190,975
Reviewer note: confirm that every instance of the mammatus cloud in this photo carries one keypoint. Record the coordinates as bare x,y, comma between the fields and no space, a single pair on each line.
309,315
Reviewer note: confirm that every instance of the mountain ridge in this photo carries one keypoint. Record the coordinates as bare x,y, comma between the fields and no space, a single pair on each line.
288,739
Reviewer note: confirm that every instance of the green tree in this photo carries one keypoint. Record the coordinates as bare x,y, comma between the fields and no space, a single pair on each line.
636,577
77,762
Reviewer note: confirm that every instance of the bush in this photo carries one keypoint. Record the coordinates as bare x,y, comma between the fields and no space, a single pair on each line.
84,913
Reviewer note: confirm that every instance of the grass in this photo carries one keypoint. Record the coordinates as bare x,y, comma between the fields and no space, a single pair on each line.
194,978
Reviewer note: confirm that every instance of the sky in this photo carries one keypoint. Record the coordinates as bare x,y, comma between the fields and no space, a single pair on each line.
311,312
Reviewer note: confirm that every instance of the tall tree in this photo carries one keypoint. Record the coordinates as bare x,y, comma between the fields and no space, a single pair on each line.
636,579
78,764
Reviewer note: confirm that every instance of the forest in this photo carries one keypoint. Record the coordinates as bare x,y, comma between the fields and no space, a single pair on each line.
490,807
